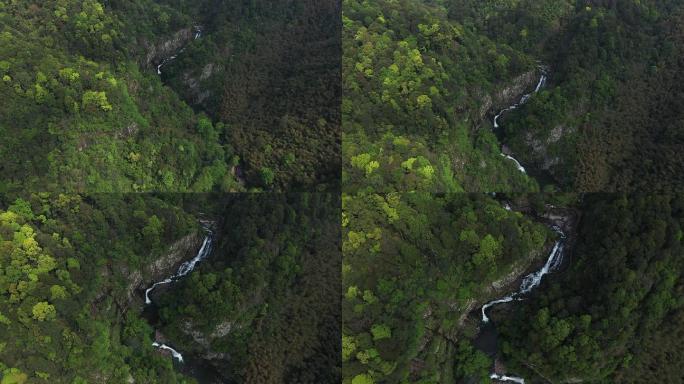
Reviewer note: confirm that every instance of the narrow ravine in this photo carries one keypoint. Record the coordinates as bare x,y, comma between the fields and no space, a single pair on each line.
184,269
523,100
533,280
197,35
528,284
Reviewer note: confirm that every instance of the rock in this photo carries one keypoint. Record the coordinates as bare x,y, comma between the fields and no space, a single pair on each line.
183,249
156,52
197,336
556,133
520,85
515,274
193,82
222,329
208,70
486,105
506,96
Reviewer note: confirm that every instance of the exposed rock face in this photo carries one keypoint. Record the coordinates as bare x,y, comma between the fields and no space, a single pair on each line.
198,336
516,274
204,341
183,249
486,106
193,81
508,95
539,147
156,52
519,86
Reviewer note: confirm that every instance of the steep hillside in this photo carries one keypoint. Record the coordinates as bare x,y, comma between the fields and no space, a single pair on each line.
270,70
414,268
70,268
265,306
423,80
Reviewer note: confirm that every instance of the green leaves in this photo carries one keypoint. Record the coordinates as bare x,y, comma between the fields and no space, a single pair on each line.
396,294
380,331
96,99
44,311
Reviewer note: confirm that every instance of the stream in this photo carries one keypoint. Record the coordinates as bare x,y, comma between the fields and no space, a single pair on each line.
184,269
532,280
197,35
523,100
528,284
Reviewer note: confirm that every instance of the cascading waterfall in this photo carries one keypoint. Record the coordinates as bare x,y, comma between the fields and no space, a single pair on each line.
523,100
507,378
183,270
529,282
176,355
517,163
532,280
198,34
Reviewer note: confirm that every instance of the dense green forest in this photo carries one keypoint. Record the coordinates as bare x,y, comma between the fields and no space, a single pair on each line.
414,266
269,69
80,114
69,268
611,119
352,167
265,307
615,314
418,267
422,80
73,269
417,88
84,109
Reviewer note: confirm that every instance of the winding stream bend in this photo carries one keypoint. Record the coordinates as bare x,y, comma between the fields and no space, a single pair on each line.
529,283
197,35
523,100
183,270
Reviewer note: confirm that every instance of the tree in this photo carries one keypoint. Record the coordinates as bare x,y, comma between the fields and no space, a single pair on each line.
13,376
95,99
348,347
57,292
153,230
267,176
381,331
44,311
489,249
363,379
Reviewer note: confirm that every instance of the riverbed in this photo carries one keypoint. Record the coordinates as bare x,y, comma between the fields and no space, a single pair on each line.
186,363
563,222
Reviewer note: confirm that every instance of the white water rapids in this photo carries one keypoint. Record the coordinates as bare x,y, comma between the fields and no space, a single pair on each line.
529,282
197,35
523,100
507,378
175,353
532,280
183,270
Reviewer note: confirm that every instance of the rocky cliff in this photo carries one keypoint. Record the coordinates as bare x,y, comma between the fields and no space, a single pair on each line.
183,249
158,50
508,94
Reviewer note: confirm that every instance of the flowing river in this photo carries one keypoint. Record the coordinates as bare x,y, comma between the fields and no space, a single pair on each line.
183,270
523,100
529,283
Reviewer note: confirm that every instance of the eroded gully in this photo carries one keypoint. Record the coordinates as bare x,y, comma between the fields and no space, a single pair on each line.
197,35
183,270
523,99
530,282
